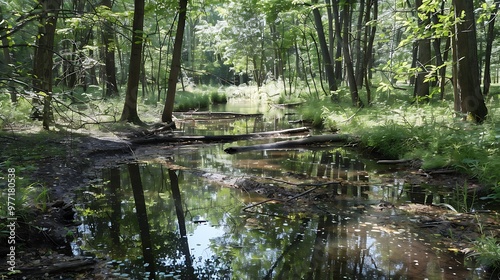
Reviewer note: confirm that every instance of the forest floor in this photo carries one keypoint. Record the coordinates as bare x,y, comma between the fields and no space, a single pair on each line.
43,234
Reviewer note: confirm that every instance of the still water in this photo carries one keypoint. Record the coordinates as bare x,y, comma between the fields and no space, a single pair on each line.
155,219
168,219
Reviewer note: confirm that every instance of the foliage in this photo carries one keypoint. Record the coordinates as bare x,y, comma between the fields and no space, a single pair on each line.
426,132
487,251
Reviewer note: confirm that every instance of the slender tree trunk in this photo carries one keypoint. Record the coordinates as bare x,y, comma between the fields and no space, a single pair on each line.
442,70
7,61
359,70
490,37
129,112
471,99
43,62
370,31
175,67
351,78
422,89
109,55
324,49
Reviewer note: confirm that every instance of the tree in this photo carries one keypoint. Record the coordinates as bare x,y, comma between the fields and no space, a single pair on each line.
129,112
43,62
469,86
490,36
109,54
330,76
344,37
422,89
175,66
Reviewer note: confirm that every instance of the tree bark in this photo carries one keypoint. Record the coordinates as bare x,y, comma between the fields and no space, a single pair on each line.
43,62
175,67
214,138
327,58
129,112
490,36
7,62
471,99
109,55
422,89
351,78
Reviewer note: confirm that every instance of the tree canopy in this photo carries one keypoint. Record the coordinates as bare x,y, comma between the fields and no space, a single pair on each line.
332,47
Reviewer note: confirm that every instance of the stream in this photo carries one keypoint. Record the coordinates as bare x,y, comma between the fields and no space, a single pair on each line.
168,219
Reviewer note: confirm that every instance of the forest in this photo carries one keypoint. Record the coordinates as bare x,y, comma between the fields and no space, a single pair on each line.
85,85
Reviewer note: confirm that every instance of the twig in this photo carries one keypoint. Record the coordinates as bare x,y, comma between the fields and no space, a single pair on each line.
280,200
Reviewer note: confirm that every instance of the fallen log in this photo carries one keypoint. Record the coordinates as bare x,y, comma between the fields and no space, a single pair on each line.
215,138
221,114
393,161
311,140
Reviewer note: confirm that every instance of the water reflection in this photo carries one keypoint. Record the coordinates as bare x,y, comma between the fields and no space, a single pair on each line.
156,222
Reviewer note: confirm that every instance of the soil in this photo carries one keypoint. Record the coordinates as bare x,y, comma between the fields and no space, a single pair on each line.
43,232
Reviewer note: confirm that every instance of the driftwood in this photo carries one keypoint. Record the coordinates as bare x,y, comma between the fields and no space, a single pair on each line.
221,114
311,140
215,138
393,161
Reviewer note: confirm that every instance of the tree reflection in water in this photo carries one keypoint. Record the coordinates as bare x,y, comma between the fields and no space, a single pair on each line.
143,218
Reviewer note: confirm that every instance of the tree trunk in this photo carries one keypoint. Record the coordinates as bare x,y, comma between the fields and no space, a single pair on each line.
370,34
471,99
109,55
423,60
175,67
351,78
129,112
327,58
43,62
359,70
7,61
490,36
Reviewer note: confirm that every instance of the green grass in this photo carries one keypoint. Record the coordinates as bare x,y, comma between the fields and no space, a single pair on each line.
428,132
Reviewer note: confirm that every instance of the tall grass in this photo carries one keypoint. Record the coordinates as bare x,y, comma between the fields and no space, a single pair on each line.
428,132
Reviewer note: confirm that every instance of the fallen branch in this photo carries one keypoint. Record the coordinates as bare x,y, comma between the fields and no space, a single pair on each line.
280,200
311,140
393,161
220,114
215,138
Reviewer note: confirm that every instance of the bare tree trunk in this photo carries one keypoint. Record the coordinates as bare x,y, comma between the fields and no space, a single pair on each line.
370,38
43,62
359,70
175,67
8,61
422,89
129,112
332,86
471,99
490,37
351,78
109,55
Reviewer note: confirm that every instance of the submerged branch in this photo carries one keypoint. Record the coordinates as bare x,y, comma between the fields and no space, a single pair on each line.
215,138
311,140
